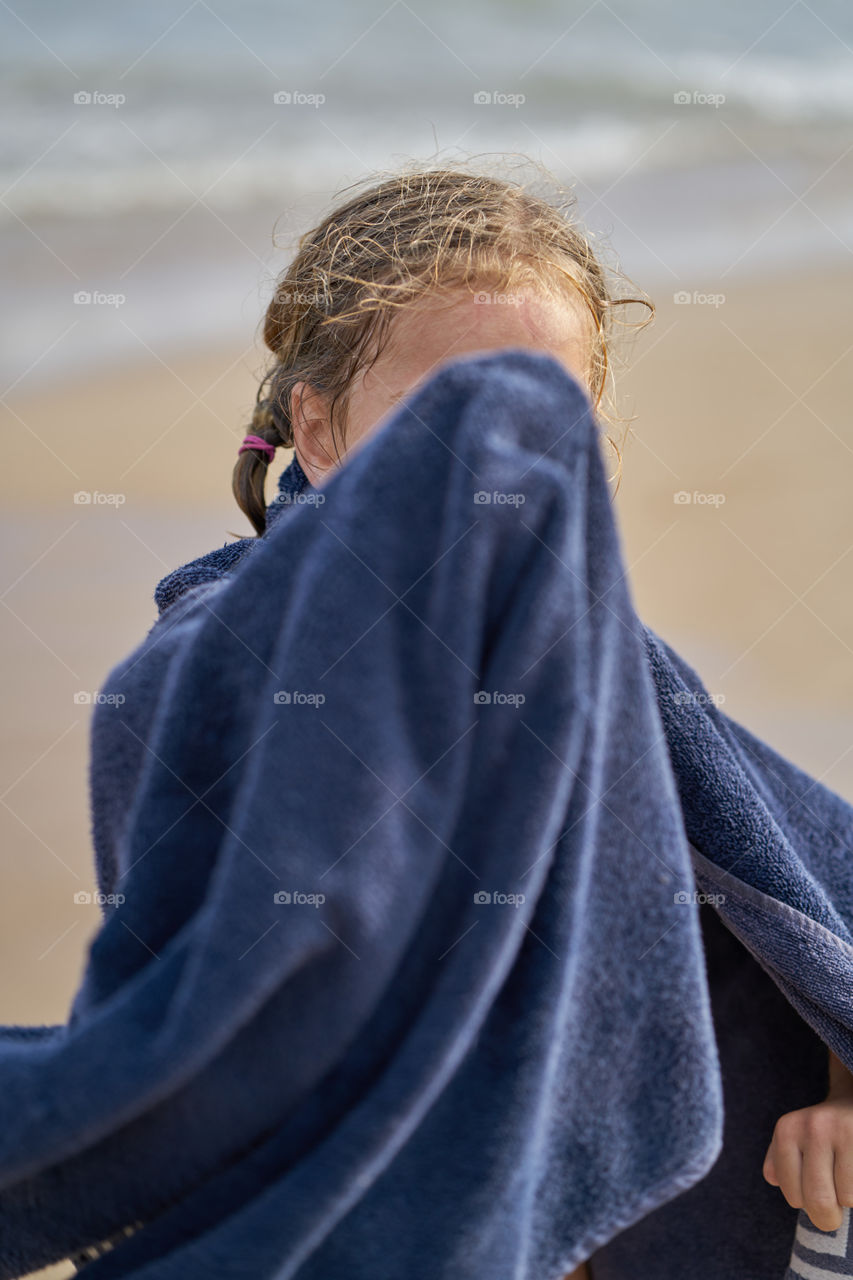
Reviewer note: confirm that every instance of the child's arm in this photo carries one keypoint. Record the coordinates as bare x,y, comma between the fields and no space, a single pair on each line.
811,1155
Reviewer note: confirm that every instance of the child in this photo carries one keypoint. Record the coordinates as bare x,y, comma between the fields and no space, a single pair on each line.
420,268
458,260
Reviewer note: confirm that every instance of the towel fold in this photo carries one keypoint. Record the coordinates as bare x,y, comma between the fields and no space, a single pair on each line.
411,829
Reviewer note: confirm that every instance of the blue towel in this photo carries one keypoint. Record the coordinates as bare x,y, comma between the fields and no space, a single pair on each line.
447,923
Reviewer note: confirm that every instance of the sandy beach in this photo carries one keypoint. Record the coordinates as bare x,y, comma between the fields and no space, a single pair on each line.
743,403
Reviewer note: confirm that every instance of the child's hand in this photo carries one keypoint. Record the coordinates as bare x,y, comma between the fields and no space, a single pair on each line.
811,1155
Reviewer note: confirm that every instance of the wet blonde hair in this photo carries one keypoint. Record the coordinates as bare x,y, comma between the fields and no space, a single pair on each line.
419,230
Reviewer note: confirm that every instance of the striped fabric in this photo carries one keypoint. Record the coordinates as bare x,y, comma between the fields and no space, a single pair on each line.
821,1255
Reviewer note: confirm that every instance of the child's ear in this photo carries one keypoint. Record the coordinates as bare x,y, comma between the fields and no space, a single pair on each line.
312,434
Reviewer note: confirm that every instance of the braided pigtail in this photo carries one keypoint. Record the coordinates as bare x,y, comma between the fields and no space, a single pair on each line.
267,431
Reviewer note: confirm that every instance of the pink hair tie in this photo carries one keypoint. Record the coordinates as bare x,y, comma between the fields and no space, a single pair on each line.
255,442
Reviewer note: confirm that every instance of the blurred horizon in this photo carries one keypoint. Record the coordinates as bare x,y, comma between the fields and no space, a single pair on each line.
181,186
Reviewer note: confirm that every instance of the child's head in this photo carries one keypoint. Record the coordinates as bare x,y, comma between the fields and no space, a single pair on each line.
422,267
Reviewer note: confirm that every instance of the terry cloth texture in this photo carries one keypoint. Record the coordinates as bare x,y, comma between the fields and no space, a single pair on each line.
455,915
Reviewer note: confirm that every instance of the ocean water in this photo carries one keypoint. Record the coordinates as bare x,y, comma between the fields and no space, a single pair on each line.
149,153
